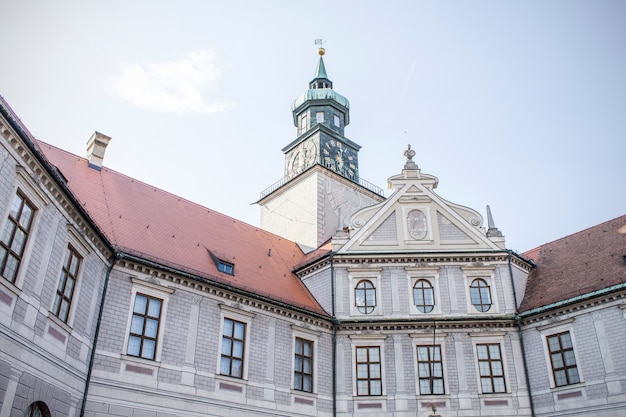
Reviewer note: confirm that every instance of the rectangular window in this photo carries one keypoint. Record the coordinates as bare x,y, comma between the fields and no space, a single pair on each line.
144,327
303,365
14,236
319,117
67,283
491,368
233,343
336,120
563,360
303,125
368,371
430,370
226,267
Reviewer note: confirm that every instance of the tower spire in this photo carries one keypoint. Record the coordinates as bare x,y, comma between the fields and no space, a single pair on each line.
321,78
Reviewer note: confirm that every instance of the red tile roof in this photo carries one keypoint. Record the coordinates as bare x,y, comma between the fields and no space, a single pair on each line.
143,220
587,261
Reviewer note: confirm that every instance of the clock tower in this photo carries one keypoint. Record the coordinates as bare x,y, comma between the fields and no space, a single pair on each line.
321,187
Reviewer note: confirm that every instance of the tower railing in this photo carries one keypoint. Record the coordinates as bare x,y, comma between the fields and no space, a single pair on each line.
354,178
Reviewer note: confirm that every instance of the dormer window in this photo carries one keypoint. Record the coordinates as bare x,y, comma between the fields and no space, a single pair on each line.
226,267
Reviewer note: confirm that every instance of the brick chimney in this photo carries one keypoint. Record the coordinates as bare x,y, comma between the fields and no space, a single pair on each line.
96,146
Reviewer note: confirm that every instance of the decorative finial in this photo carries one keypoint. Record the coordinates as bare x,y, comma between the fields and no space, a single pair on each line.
492,230
321,51
409,153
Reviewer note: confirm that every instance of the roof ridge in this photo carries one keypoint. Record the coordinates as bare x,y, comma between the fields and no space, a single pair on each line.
573,234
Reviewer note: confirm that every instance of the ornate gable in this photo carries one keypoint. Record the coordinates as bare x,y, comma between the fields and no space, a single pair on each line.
415,218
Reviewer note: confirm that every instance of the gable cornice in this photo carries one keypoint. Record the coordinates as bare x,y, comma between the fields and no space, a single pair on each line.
415,259
47,176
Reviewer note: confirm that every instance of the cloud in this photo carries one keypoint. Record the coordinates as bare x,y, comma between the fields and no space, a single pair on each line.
171,87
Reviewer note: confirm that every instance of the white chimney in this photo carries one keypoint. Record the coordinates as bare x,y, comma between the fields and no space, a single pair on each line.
96,146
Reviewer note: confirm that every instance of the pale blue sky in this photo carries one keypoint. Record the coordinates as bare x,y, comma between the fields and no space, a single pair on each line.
517,104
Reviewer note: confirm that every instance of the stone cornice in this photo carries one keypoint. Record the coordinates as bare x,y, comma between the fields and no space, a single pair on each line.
203,285
414,260
579,307
488,327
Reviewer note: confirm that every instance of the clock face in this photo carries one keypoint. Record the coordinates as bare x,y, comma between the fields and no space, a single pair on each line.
339,158
417,224
302,158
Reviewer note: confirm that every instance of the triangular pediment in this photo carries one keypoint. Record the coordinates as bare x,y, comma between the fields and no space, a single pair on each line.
416,219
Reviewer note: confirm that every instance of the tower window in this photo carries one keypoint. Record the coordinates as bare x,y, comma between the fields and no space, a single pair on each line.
319,117
303,125
336,121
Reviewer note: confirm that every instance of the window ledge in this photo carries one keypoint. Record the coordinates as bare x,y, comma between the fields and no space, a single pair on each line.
142,361
60,323
304,393
10,286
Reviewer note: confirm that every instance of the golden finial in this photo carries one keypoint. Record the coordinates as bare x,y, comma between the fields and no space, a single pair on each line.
321,51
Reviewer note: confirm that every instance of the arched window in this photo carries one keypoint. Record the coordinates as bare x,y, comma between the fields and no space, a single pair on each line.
480,295
37,409
365,296
424,296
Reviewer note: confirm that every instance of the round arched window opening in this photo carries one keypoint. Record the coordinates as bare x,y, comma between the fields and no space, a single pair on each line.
37,409
480,295
365,296
424,296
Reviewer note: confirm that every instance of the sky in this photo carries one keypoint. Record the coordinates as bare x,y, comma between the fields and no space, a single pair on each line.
519,105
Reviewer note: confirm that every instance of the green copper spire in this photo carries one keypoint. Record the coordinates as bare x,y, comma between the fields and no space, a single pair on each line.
321,69
321,79
321,95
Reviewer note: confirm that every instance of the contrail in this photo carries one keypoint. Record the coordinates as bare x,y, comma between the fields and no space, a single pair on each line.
408,78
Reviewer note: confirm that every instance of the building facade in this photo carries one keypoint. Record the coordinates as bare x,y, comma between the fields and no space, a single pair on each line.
119,299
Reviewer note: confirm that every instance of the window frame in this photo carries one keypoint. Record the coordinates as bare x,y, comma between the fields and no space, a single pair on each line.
65,275
551,329
233,339
28,232
299,372
142,286
480,288
303,123
25,184
486,274
320,117
430,346
429,274
561,351
490,376
226,267
336,120
358,341
365,290
143,337
313,337
368,364
424,306
241,316
365,274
